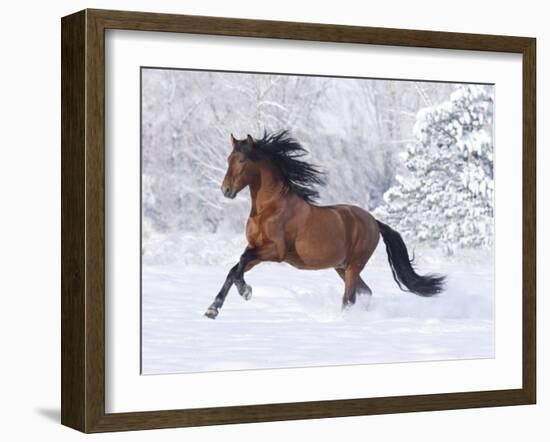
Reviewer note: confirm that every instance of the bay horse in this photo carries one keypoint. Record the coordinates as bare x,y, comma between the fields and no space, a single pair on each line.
285,224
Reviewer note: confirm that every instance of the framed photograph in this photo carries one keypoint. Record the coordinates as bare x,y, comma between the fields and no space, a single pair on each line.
269,220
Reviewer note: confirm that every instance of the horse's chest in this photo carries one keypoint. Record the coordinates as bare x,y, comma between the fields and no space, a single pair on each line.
254,232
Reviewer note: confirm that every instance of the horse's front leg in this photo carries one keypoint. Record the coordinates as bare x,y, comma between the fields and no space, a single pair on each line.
235,276
247,261
215,307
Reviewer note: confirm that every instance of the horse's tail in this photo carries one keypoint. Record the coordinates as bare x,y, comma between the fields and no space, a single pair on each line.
402,269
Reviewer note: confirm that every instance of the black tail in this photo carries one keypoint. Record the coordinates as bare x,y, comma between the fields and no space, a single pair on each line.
402,269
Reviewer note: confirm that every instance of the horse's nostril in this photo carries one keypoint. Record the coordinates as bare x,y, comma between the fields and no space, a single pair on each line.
227,191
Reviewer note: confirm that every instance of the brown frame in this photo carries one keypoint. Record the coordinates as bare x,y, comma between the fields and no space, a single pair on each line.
83,216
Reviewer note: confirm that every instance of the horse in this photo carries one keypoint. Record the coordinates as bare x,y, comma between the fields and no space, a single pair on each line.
286,225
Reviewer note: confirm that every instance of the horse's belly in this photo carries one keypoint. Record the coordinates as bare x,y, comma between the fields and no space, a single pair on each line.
321,254
309,261
319,247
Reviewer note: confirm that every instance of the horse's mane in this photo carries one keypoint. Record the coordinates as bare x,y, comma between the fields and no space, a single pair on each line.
283,151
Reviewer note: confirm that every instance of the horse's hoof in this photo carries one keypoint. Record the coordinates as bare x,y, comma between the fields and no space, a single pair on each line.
247,292
211,313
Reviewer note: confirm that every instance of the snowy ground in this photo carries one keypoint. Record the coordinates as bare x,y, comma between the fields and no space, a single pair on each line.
294,318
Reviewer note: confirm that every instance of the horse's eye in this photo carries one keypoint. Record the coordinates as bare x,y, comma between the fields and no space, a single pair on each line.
242,161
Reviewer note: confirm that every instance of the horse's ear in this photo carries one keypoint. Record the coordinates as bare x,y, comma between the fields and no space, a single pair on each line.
233,141
250,140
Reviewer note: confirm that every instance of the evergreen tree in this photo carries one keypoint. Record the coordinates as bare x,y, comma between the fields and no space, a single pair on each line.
446,197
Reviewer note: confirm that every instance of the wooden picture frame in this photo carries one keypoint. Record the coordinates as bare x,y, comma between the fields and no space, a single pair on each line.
83,220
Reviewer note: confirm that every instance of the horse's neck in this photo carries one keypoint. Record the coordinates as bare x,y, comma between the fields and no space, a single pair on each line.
266,190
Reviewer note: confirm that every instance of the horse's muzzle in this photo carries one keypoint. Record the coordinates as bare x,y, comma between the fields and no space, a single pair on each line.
229,192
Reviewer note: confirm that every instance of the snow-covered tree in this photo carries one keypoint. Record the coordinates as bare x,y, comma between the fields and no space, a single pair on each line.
445,198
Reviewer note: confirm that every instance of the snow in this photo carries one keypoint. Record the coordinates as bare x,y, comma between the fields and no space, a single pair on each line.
294,318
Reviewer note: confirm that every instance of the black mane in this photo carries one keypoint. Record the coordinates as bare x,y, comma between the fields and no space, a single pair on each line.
285,153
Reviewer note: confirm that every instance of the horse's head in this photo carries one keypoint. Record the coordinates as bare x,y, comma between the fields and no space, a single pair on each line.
241,170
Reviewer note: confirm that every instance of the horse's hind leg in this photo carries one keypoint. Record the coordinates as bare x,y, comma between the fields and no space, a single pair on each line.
361,288
350,276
